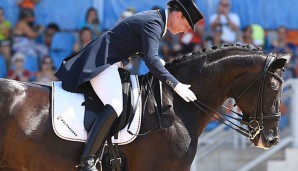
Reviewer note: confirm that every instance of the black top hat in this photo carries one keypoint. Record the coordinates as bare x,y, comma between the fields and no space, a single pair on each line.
189,10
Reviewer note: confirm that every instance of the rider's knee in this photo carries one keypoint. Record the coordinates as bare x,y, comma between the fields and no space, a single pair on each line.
118,107
118,110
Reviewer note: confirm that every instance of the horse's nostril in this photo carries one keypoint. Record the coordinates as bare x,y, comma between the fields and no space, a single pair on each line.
273,141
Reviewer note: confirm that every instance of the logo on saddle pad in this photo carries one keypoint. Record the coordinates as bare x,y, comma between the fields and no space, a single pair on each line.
68,115
63,121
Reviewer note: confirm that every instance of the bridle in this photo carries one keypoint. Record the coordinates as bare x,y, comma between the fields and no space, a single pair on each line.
255,122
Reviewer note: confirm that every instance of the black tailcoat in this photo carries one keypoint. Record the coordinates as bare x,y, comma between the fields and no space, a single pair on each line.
140,33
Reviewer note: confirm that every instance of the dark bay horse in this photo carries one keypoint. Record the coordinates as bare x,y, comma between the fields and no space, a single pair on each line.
28,142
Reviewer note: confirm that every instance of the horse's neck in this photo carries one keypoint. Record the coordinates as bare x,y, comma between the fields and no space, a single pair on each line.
191,117
211,89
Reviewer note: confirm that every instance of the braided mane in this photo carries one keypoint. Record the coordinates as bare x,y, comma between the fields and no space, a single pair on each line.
216,53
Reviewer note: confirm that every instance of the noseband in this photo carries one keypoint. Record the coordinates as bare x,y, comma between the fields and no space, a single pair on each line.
255,122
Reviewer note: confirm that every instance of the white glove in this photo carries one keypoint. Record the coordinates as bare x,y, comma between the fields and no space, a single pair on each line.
184,91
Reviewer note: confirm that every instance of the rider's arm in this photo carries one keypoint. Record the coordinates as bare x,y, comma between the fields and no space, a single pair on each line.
151,35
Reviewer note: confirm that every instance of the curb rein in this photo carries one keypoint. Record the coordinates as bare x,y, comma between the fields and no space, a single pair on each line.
251,122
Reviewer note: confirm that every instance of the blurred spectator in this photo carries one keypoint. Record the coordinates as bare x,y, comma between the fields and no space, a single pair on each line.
85,37
246,38
46,72
30,4
5,41
92,22
215,39
258,35
282,46
155,8
18,72
127,13
24,35
193,40
169,47
296,73
229,22
49,33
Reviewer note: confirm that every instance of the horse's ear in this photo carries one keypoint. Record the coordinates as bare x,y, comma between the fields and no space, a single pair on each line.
280,62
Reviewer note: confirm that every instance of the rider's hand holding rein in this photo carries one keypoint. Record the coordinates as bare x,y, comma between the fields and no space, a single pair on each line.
184,91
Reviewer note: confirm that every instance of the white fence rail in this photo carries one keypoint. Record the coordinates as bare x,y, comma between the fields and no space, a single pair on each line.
285,142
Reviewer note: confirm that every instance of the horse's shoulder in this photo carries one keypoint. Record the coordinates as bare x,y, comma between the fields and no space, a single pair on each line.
13,87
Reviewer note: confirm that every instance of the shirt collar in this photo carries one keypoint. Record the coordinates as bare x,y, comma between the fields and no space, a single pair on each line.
166,14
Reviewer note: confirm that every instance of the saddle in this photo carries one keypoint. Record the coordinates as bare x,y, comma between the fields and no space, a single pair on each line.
112,158
93,105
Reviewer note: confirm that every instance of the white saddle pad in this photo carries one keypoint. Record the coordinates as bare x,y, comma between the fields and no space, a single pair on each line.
68,115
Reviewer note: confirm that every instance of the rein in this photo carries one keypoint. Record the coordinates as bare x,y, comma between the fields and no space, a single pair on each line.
252,122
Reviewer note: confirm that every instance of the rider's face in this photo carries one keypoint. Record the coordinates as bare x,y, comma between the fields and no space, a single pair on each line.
177,23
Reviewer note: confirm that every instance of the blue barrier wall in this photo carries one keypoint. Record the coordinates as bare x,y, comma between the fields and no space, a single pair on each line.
69,14
268,13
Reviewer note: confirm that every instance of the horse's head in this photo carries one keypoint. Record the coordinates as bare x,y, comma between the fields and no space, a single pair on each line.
248,75
260,101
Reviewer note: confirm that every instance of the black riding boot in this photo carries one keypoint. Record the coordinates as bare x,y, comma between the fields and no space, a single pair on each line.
97,136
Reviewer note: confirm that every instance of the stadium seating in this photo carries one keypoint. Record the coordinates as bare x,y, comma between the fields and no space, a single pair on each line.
212,125
284,122
61,47
3,69
31,64
143,69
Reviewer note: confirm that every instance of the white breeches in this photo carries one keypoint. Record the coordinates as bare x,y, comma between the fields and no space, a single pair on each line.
107,85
